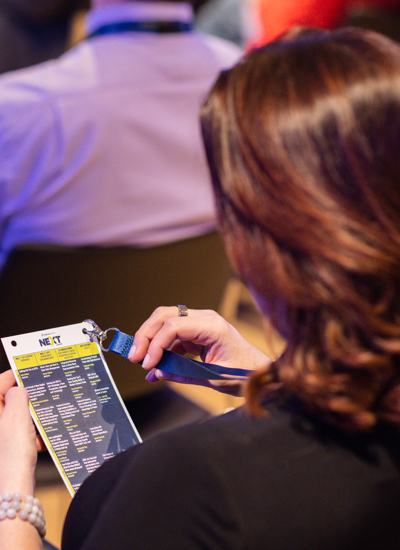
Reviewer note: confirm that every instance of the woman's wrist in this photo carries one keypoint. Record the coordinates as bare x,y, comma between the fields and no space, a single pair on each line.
23,482
17,506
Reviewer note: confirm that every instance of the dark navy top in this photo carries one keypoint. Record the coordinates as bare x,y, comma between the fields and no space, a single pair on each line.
283,482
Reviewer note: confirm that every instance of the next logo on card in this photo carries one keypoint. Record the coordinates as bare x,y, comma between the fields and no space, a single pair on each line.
50,341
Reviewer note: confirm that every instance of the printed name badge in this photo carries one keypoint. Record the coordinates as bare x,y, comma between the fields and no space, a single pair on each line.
73,399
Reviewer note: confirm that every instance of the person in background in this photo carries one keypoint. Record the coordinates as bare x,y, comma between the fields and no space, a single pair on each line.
102,146
33,32
302,139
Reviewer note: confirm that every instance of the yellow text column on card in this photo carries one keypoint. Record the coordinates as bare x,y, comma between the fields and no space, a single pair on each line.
46,357
67,353
25,361
88,348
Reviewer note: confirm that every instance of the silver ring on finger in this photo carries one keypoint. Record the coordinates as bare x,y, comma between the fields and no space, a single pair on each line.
183,311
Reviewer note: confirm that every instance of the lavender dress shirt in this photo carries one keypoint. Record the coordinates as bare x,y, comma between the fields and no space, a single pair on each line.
102,146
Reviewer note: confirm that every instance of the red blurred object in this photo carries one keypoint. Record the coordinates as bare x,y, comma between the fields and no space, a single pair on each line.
275,17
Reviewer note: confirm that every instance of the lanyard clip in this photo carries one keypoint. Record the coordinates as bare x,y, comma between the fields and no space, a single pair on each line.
97,333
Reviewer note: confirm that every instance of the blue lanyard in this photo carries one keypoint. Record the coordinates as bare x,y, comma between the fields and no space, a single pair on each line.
178,364
160,27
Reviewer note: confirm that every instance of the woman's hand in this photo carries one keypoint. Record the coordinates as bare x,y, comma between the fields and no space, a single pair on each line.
203,333
18,446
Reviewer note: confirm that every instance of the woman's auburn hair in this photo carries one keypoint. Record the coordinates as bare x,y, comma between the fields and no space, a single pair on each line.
302,138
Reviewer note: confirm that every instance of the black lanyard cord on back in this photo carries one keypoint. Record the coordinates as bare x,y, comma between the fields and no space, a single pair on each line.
159,27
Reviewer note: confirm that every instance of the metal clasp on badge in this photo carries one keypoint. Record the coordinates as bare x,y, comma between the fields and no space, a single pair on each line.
97,333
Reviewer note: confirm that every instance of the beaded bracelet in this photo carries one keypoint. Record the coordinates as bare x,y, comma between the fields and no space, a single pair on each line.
28,509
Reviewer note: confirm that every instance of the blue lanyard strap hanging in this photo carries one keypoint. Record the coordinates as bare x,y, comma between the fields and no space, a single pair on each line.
160,27
170,362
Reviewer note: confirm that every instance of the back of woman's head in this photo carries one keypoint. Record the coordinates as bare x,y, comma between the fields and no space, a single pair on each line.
303,142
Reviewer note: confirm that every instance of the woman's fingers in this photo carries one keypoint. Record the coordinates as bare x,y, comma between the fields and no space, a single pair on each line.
154,375
17,442
18,401
148,330
7,381
194,334
202,332
40,445
16,421
173,327
231,387
16,408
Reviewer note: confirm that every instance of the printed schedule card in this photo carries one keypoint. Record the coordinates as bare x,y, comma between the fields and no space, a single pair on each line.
73,399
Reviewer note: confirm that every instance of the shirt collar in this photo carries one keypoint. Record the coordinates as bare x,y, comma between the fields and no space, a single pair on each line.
138,11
